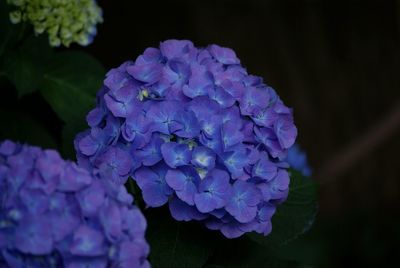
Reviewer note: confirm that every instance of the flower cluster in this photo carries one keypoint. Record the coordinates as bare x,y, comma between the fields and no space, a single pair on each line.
297,159
55,214
196,131
66,21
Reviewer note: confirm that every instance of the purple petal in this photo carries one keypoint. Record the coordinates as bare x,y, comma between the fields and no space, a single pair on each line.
36,201
115,164
204,108
130,253
286,132
116,79
88,242
181,211
223,55
203,157
184,183
50,165
64,216
215,191
148,73
281,181
235,160
254,99
82,262
151,153
219,95
185,125
264,168
111,220
231,230
205,202
95,116
231,135
154,188
175,48
133,221
243,203
175,154
264,117
88,145
150,55
32,236
73,178
162,115
91,198
7,147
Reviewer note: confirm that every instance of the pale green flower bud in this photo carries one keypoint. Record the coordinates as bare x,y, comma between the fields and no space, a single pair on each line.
15,17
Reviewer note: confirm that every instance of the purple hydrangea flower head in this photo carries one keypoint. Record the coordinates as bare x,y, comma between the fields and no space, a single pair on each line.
56,214
196,132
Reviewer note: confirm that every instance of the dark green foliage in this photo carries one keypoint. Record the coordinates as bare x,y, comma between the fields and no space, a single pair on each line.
69,85
25,65
177,244
295,216
67,80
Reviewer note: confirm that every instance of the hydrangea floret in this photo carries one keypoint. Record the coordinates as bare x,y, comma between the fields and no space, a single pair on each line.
196,131
56,214
297,159
65,21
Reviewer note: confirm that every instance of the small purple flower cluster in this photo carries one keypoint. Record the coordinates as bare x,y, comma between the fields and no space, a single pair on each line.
194,130
297,159
55,214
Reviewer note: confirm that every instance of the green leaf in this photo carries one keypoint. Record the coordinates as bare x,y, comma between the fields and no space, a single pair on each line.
25,65
70,84
295,216
177,244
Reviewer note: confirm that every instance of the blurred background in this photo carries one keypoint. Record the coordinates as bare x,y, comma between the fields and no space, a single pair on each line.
337,64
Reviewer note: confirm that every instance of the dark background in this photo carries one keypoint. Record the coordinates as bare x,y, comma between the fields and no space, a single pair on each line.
337,64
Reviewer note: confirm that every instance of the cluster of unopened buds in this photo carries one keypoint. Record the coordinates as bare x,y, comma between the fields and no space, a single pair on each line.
65,21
